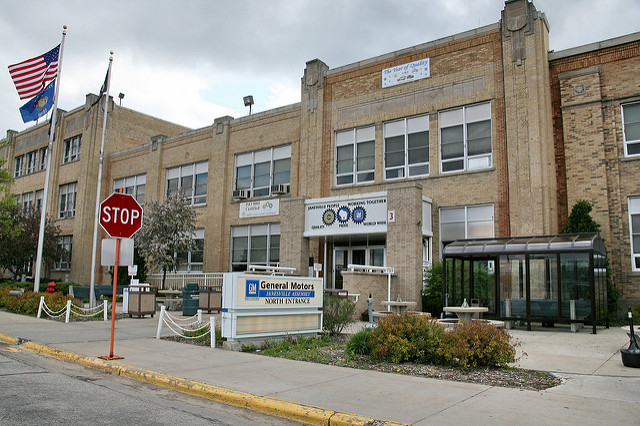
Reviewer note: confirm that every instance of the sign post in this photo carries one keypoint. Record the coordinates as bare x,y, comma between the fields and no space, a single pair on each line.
121,217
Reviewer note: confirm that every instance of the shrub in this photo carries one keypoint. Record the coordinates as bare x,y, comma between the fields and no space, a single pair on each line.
337,314
27,303
358,344
408,337
477,344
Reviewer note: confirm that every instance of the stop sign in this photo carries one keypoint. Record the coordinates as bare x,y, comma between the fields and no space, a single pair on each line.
120,215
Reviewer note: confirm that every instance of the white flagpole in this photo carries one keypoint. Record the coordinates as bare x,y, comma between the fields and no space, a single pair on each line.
45,195
98,191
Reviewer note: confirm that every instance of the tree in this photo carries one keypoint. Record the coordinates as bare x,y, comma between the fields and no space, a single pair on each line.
580,220
18,249
167,230
8,202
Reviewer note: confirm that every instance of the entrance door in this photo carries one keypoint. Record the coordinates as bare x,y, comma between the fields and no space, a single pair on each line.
340,262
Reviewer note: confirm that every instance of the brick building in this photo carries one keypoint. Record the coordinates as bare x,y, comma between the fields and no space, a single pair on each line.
481,134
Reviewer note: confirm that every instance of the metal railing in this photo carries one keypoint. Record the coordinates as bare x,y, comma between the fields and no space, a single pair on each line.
177,281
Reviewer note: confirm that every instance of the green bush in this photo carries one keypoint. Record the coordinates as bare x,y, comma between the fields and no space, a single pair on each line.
432,289
338,313
27,303
358,344
477,344
408,337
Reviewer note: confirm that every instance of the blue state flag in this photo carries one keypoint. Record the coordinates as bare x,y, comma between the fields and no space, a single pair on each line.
39,105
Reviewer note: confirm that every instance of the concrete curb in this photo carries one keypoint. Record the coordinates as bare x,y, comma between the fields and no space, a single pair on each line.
274,407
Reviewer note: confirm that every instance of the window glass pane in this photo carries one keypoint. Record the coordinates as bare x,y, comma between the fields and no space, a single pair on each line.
479,213
451,231
365,134
419,147
366,156
243,177
452,215
452,145
478,112
282,171
479,138
345,159
418,124
258,249
633,149
394,151
632,132
635,223
394,128
274,250
636,244
631,113
451,166
344,138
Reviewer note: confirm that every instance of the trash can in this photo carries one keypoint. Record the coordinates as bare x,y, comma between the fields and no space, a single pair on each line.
190,299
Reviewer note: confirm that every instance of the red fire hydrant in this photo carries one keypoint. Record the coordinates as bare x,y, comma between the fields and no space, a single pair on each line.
51,288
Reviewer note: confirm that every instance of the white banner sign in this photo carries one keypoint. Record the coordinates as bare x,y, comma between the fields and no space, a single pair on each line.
363,214
260,208
405,73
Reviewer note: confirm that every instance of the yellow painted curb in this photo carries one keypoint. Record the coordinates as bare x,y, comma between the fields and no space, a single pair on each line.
5,338
275,407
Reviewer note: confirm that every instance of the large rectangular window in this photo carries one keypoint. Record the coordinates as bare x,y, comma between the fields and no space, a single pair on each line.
265,172
132,185
465,138
67,200
465,222
18,166
71,150
355,155
255,245
31,162
631,128
406,147
191,261
63,263
634,230
189,180
42,154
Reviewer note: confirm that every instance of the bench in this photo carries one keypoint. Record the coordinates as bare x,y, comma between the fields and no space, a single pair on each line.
101,290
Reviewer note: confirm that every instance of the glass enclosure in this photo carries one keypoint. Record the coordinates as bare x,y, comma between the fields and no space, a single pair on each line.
548,279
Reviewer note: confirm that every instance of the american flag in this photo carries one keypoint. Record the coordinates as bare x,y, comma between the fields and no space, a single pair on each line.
32,75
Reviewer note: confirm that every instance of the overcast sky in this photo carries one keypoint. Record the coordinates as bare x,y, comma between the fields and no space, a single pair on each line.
190,62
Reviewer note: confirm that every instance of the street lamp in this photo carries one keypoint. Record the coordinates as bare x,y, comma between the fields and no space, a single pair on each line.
248,101
121,96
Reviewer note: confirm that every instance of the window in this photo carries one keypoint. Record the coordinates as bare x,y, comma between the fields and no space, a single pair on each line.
631,128
634,230
355,155
31,162
255,245
63,263
18,168
406,147
465,138
67,200
71,150
27,201
132,185
189,180
264,172
461,223
42,152
191,261
39,196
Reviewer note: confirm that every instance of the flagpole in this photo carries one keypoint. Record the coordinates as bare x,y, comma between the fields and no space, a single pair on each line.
97,214
43,212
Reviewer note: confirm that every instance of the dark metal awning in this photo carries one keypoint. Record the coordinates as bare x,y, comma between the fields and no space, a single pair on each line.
589,242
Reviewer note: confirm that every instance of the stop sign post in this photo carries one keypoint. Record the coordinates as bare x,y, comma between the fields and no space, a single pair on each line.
121,217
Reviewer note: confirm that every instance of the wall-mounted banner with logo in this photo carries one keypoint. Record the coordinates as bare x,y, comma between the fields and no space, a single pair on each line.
260,208
405,73
355,214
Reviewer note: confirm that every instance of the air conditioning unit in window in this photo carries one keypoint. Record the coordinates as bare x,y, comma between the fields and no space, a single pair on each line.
240,194
280,189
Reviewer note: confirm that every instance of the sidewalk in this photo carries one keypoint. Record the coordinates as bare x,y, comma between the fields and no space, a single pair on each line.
597,388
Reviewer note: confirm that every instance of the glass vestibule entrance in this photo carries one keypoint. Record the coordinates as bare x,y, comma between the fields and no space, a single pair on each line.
548,279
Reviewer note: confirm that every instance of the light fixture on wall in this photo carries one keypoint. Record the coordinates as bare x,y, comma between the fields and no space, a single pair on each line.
248,101
121,96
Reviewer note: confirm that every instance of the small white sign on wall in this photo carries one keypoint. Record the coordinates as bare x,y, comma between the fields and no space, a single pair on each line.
260,208
391,216
406,73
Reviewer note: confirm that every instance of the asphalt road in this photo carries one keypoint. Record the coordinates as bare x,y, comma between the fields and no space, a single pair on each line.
38,390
